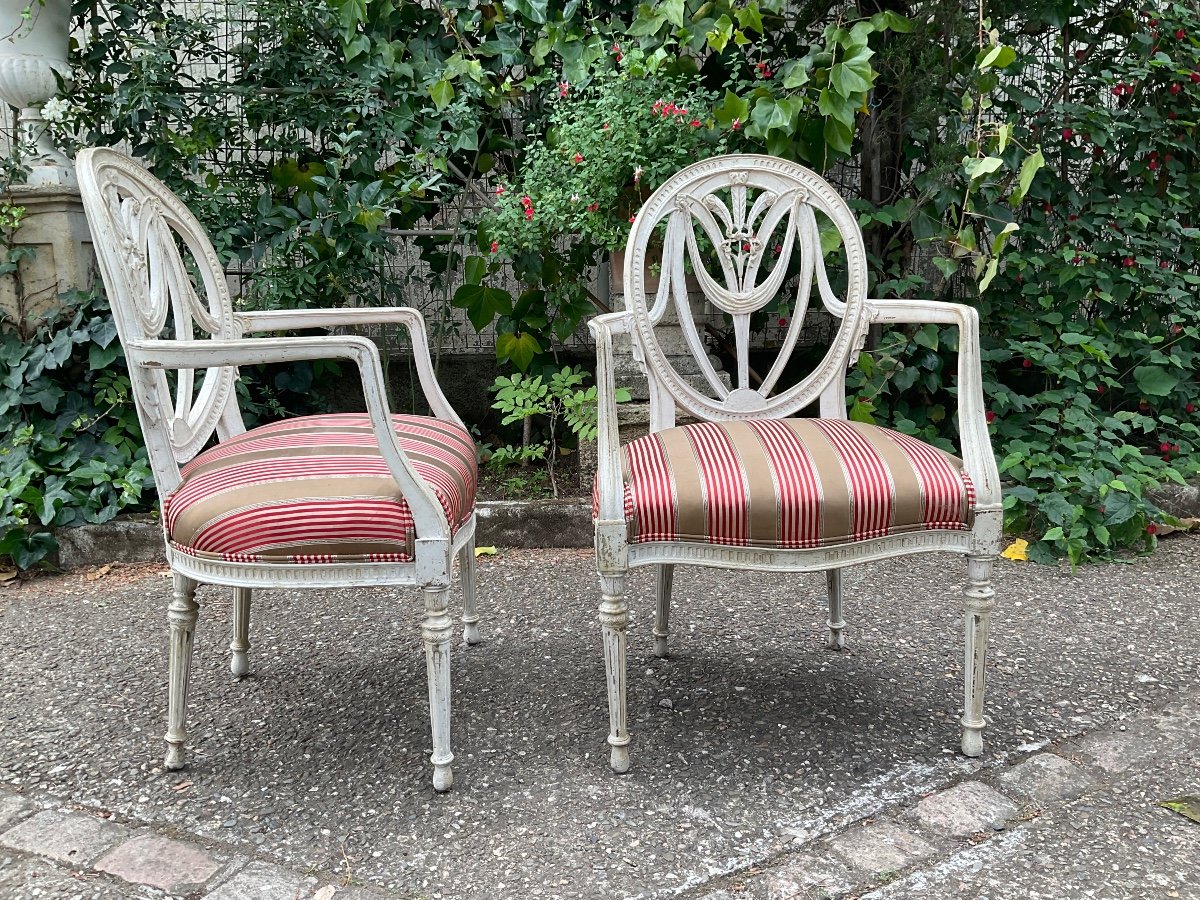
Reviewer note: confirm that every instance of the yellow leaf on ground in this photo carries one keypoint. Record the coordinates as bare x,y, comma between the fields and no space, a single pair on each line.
1017,550
485,551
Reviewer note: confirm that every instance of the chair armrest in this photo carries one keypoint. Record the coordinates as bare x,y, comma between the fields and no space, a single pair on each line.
429,519
977,454
609,484
297,319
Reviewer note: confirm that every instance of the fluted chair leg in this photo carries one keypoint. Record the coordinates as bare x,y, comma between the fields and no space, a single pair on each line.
662,613
470,614
239,663
978,602
833,583
614,617
181,616
435,630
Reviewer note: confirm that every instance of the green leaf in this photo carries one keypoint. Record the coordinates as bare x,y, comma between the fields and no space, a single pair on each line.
1029,168
1155,381
673,10
534,10
850,78
731,107
1188,807
519,349
977,168
482,304
442,92
997,57
474,269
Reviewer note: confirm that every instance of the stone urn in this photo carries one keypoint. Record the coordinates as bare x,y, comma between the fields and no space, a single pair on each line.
31,52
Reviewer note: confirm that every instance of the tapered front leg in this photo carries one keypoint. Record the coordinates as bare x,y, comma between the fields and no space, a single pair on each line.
614,617
470,616
239,663
662,612
833,583
435,630
181,616
978,602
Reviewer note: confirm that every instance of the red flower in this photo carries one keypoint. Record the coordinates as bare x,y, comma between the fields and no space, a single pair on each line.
1152,165
593,207
737,125
1151,528
1163,264
695,123
1176,88
1129,262
777,249
990,416
783,321
1195,77
1027,363
529,213
1076,260
564,88
499,189
1180,34
1100,389
746,248
1164,447
577,158
1072,217
495,246
1153,22
1191,407
1172,115
1174,448
1067,134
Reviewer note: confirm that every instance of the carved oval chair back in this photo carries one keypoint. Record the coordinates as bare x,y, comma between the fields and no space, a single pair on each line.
326,501
746,482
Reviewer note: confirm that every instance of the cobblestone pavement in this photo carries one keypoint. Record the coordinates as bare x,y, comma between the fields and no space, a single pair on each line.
764,766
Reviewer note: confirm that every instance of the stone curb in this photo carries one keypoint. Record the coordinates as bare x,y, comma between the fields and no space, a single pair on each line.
501,523
884,854
47,851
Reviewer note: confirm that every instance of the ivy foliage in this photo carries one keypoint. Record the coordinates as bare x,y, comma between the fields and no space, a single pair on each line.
71,451
1090,319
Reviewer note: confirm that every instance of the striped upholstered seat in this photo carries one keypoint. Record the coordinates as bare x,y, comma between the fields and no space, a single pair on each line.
789,484
315,489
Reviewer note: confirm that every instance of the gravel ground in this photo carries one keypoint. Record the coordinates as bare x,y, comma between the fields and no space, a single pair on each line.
751,737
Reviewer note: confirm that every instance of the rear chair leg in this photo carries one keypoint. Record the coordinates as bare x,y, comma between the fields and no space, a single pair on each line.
662,614
239,664
833,581
181,616
470,615
978,603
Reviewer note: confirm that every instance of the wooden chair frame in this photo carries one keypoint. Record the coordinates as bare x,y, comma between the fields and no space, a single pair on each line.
136,223
741,233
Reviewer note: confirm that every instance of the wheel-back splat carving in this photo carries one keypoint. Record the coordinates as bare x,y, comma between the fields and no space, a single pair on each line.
741,209
143,236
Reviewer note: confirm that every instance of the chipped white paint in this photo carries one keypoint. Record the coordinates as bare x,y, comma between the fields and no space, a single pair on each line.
743,206
139,227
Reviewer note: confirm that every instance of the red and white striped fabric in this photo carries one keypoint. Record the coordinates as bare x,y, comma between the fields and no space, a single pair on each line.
789,484
315,489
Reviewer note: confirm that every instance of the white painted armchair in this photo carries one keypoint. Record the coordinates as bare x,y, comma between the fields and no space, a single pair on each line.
749,485
330,501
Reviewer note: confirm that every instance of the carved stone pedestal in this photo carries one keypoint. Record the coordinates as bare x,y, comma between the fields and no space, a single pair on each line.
55,227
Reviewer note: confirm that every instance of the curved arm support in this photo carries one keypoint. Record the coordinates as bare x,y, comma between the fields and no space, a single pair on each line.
978,458
405,316
608,442
429,519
